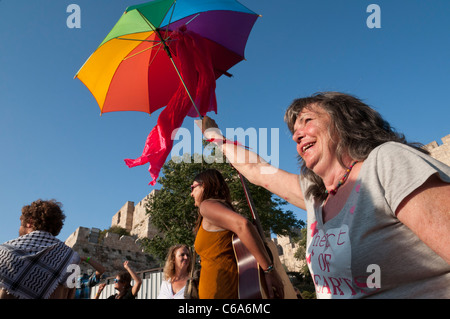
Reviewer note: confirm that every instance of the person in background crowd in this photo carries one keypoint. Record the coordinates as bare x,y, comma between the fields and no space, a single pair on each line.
86,282
215,227
176,272
35,265
122,284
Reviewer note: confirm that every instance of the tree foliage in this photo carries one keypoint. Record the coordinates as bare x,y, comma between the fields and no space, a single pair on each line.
173,213
114,230
307,285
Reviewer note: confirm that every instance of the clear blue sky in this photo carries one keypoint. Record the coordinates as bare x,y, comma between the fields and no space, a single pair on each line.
54,143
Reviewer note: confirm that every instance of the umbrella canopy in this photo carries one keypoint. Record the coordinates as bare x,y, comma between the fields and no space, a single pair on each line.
132,70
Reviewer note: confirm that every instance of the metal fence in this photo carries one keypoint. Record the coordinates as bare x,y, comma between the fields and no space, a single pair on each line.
151,283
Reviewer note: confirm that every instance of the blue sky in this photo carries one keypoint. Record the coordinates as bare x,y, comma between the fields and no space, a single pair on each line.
55,144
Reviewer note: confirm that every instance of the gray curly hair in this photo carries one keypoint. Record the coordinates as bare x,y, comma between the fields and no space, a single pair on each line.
359,128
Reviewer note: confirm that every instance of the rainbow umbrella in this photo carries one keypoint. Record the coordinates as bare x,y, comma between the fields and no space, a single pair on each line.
135,68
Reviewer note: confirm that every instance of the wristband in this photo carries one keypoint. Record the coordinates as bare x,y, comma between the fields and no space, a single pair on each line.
87,259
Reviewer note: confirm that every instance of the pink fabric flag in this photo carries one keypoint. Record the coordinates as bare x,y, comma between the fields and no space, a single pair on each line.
197,71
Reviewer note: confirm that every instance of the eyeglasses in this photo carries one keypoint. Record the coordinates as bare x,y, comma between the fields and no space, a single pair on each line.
194,186
117,280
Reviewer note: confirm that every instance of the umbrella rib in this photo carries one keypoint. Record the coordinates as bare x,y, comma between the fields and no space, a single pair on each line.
150,48
152,27
166,36
154,57
185,87
167,49
129,39
171,15
167,29
192,19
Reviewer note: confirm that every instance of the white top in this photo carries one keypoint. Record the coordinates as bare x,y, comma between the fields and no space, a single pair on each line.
166,291
365,251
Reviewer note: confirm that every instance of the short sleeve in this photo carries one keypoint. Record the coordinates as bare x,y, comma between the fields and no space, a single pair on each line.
401,169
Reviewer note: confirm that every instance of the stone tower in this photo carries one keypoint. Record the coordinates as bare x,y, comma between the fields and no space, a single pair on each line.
112,250
134,218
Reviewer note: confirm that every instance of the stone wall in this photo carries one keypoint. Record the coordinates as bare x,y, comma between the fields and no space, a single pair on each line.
142,226
440,152
134,218
110,251
124,217
286,251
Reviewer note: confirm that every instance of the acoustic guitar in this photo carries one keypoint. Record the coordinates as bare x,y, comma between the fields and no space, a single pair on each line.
251,278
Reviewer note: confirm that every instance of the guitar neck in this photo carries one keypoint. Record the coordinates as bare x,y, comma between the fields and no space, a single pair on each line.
251,205
289,292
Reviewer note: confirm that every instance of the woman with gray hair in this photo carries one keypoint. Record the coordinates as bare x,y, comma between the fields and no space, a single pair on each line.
378,207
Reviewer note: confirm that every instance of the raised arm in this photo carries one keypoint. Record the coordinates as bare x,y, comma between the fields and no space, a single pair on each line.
136,278
99,269
255,168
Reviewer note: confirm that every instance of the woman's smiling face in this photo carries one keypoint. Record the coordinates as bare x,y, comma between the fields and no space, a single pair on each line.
314,143
182,258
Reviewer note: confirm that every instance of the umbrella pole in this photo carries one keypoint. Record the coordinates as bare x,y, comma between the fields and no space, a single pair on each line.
185,87
242,178
166,48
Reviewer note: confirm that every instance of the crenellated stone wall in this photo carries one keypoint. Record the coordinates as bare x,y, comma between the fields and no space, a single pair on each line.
134,218
440,152
110,251
124,217
142,226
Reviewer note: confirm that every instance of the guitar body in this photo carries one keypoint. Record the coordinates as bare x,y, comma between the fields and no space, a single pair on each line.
249,274
249,265
251,279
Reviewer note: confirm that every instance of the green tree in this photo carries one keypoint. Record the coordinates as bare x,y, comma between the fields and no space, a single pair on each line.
115,230
173,212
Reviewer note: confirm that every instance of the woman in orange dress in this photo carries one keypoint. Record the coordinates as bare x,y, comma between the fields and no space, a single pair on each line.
215,227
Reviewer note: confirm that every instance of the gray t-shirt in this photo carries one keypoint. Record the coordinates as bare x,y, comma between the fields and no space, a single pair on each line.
365,251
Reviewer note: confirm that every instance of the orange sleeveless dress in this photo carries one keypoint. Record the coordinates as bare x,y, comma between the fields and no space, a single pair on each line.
219,274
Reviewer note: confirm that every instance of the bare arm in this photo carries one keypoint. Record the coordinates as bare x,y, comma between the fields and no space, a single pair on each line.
218,215
426,211
254,168
99,291
136,278
99,269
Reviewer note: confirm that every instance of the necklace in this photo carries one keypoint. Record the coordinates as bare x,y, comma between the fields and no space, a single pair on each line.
342,180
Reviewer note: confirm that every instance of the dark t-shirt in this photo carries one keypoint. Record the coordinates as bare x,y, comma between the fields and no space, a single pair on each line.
127,295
